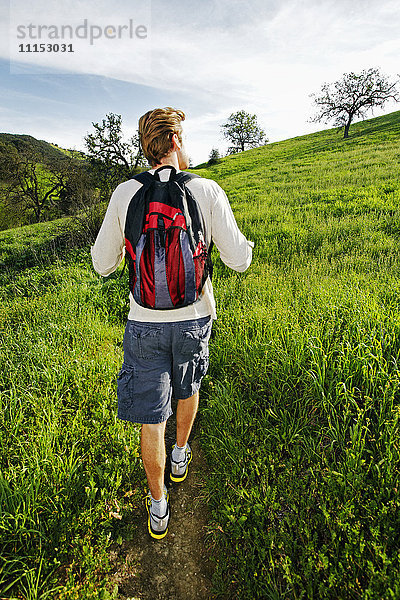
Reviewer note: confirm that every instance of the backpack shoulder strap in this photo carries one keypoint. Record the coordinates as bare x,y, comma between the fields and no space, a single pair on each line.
136,208
184,176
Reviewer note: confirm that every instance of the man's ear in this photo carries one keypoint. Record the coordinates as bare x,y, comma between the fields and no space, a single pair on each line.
176,144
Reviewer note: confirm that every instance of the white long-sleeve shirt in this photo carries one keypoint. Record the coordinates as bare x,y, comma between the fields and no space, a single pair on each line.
221,227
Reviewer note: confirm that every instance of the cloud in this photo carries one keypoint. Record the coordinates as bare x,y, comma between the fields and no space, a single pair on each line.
230,50
220,56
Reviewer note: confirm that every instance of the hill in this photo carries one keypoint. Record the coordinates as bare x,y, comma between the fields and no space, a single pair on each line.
299,413
364,135
304,391
383,129
27,172
40,150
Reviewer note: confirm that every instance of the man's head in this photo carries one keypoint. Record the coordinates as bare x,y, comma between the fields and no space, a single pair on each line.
161,134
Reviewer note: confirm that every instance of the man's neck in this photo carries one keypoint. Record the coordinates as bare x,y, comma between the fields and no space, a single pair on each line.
171,160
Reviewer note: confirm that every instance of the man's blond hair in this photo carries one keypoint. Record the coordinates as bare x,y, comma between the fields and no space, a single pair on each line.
156,129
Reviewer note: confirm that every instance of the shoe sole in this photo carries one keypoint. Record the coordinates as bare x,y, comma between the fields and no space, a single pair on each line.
179,478
156,535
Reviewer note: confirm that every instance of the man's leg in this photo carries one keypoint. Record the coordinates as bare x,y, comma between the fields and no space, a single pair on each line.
181,452
185,415
153,456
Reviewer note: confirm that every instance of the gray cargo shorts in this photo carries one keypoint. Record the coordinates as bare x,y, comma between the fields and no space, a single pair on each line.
161,359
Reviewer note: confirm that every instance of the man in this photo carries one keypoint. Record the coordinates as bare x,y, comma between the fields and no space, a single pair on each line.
166,351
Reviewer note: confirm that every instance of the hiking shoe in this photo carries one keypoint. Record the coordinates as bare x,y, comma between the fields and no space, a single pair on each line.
157,525
179,470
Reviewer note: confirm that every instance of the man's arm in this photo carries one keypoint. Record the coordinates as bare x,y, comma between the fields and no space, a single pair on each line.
109,247
235,250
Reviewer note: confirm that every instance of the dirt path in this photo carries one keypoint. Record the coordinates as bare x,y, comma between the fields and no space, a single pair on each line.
177,567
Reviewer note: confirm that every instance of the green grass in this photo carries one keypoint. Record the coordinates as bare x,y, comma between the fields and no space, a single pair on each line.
45,155
300,409
301,421
26,144
66,463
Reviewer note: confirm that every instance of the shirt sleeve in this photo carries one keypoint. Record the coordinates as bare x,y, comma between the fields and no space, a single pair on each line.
235,250
109,247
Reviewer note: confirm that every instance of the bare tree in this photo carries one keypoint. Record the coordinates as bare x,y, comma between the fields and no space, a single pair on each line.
353,96
243,131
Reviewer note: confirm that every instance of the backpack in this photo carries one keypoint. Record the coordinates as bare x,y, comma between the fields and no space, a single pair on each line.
165,242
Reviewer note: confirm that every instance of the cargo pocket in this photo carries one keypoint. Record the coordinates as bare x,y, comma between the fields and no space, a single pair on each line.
194,340
202,366
126,383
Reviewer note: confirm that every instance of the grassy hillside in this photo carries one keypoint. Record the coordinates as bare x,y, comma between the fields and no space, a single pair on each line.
40,150
301,425
70,152
299,411
15,203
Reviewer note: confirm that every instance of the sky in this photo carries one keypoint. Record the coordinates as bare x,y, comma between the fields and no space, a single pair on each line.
209,58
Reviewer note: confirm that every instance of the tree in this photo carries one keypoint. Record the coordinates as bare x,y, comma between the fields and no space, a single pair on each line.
113,159
79,188
214,157
243,131
353,96
34,189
